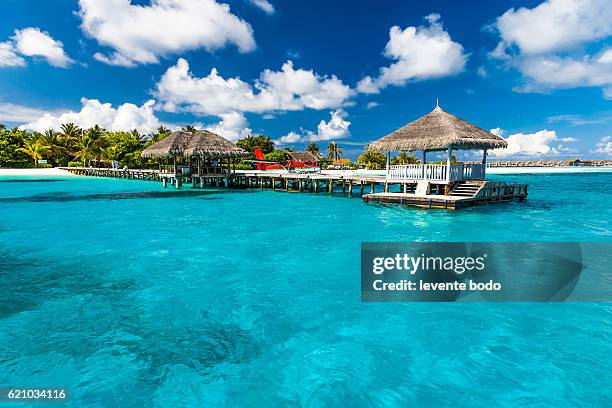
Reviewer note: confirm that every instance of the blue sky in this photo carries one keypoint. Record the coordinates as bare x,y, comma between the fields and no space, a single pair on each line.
539,73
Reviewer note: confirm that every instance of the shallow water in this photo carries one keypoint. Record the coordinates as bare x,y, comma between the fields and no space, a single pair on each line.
130,295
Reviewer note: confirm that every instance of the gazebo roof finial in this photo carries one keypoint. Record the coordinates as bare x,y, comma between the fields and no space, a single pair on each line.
437,108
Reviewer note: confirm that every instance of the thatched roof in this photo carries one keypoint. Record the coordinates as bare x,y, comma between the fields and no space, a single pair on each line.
436,131
199,143
303,157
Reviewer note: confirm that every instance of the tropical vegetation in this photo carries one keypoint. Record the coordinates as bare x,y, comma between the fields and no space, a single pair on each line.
72,145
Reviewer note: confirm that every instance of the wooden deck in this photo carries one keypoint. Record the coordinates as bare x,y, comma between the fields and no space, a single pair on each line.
373,189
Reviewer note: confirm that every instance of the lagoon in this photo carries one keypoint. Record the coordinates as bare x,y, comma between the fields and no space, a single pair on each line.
129,294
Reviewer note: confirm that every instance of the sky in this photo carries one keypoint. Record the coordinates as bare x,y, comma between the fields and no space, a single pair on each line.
538,73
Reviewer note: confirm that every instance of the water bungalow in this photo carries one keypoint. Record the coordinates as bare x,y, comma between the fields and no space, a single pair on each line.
199,156
442,185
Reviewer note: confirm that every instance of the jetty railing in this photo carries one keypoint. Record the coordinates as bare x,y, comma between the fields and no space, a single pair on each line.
169,169
437,172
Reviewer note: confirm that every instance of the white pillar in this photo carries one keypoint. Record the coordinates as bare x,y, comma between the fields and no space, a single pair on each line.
388,162
448,162
484,163
424,161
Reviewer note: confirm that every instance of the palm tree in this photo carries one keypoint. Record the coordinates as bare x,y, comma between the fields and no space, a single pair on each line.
54,142
95,143
2,127
162,129
333,151
403,158
35,148
313,148
250,143
372,160
71,133
86,149
111,153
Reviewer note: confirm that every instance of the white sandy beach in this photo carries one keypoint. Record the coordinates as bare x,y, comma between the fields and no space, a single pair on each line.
34,172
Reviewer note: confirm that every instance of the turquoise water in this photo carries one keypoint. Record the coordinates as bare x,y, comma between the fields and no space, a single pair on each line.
132,295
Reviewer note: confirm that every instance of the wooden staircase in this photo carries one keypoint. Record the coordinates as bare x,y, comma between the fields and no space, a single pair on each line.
467,189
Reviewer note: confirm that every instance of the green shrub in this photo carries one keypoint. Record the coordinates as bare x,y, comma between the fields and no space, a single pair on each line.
75,164
244,166
277,156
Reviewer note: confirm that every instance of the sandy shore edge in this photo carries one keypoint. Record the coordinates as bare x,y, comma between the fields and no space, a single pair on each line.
34,172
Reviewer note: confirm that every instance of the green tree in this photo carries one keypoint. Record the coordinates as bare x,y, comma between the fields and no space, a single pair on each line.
313,148
71,133
250,143
9,143
372,160
189,128
333,151
160,134
34,147
277,156
56,149
403,158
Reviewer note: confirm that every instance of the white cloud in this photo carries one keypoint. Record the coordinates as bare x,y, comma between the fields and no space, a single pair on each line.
556,72
125,117
497,131
541,143
143,33
286,90
336,128
372,105
555,25
233,126
291,137
34,43
547,45
12,113
604,146
263,5
421,53
8,57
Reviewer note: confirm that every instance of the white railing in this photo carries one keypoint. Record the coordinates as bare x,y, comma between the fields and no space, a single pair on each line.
437,172
169,169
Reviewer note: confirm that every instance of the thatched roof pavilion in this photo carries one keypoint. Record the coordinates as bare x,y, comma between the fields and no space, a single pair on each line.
199,143
304,157
438,130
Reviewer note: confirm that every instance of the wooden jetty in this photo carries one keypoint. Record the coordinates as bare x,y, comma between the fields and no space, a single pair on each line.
205,159
131,174
373,189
